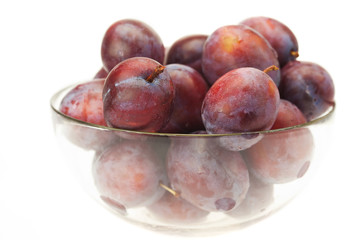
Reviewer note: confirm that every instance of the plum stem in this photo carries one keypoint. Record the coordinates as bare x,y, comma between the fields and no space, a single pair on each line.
271,68
172,191
294,54
159,69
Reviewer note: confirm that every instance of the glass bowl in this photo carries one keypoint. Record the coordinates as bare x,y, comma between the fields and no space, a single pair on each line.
191,182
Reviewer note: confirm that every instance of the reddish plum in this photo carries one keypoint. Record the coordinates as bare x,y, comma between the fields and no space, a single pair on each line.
130,38
190,90
288,115
243,100
281,157
188,51
281,38
129,174
138,95
309,86
205,175
84,103
235,46
176,210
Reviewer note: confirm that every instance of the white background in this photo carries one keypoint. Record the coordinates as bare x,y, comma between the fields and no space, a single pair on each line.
47,45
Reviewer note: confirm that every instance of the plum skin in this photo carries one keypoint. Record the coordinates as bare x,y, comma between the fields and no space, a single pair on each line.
288,115
236,46
190,90
280,37
242,100
131,102
207,176
128,174
281,157
188,51
129,38
309,86
84,102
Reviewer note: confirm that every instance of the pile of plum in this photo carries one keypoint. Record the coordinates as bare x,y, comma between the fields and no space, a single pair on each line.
242,78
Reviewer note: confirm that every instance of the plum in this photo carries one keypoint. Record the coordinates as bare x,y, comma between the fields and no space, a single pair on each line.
242,100
309,86
281,157
190,90
128,174
138,95
235,46
281,38
84,103
209,177
288,115
188,51
129,38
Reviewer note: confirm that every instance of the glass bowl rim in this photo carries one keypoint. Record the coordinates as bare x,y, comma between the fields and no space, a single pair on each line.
327,115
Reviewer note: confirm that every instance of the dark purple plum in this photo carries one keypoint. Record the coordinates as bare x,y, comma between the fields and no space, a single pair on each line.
236,46
207,176
288,115
309,86
190,90
138,95
188,51
128,174
281,38
130,38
